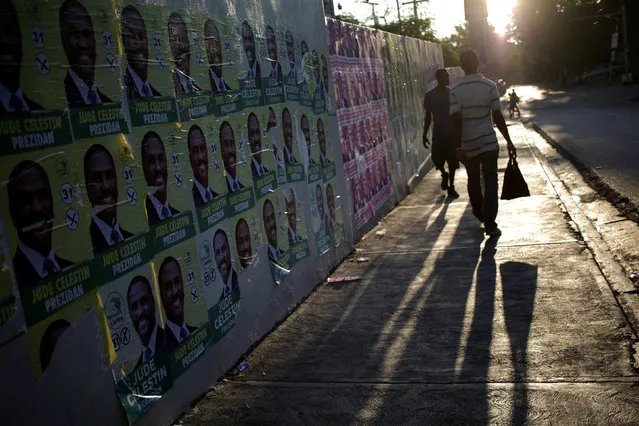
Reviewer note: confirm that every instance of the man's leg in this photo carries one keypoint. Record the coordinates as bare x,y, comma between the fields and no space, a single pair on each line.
491,199
474,186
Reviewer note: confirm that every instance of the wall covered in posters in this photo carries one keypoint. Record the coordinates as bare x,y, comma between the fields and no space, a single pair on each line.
176,176
380,80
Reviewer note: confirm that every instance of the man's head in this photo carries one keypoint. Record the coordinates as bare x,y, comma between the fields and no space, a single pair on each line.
10,46
248,41
134,39
291,211
243,243
50,340
287,125
321,136
442,77
290,47
272,119
227,143
154,164
306,130
324,72
255,137
469,62
198,155
172,290
222,254
141,305
101,181
270,224
213,45
271,44
31,205
78,39
303,47
330,201
179,41
319,199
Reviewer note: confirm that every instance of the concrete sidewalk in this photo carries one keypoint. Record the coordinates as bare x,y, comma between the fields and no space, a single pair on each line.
447,326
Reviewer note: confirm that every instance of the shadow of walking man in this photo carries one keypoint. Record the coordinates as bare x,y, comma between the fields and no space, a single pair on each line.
519,285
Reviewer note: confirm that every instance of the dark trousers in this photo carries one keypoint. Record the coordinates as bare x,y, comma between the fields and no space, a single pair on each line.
484,204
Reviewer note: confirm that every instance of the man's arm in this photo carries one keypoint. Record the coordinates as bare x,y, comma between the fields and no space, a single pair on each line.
456,118
499,120
427,120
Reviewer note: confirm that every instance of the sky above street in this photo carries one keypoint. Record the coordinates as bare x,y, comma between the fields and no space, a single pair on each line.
445,13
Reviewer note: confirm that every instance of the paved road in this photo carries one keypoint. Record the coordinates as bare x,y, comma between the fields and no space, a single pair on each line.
447,327
600,127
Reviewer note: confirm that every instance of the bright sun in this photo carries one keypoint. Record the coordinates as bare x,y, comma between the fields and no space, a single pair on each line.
500,13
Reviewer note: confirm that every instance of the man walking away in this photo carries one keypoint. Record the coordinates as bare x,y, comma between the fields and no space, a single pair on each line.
472,101
514,99
437,105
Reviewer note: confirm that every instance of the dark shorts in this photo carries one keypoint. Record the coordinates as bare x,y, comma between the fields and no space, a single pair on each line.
443,152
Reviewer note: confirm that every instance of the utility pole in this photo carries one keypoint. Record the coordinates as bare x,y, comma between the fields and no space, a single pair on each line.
626,47
399,13
477,19
375,19
414,3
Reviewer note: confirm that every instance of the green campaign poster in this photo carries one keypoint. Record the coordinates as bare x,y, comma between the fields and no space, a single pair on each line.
206,177
32,103
310,149
190,73
305,76
249,66
290,64
90,64
319,217
245,228
183,304
262,162
325,142
43,337
219,274
274,141
110,206
221,56
334,216
296,229
328,91
147,75
272,209
272,77
316,83
161,152
8,293
236,158
140,343
291,148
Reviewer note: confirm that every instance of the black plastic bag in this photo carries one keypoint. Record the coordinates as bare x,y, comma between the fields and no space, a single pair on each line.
515,185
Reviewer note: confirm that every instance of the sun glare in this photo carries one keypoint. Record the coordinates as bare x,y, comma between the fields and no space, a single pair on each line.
500,14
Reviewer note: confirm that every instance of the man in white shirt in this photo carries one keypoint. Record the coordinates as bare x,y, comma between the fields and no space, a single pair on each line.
154,166
183,84
248,41
291,215
287,125
271,49
12,98
472,102
136,48
255,141
222,254
78,41
101,182
213,45
199,159
141,305
229,157
290,50
31,210
172,294
321,138
270,229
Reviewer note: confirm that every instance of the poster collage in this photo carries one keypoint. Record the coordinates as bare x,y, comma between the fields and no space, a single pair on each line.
154,156
362,114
